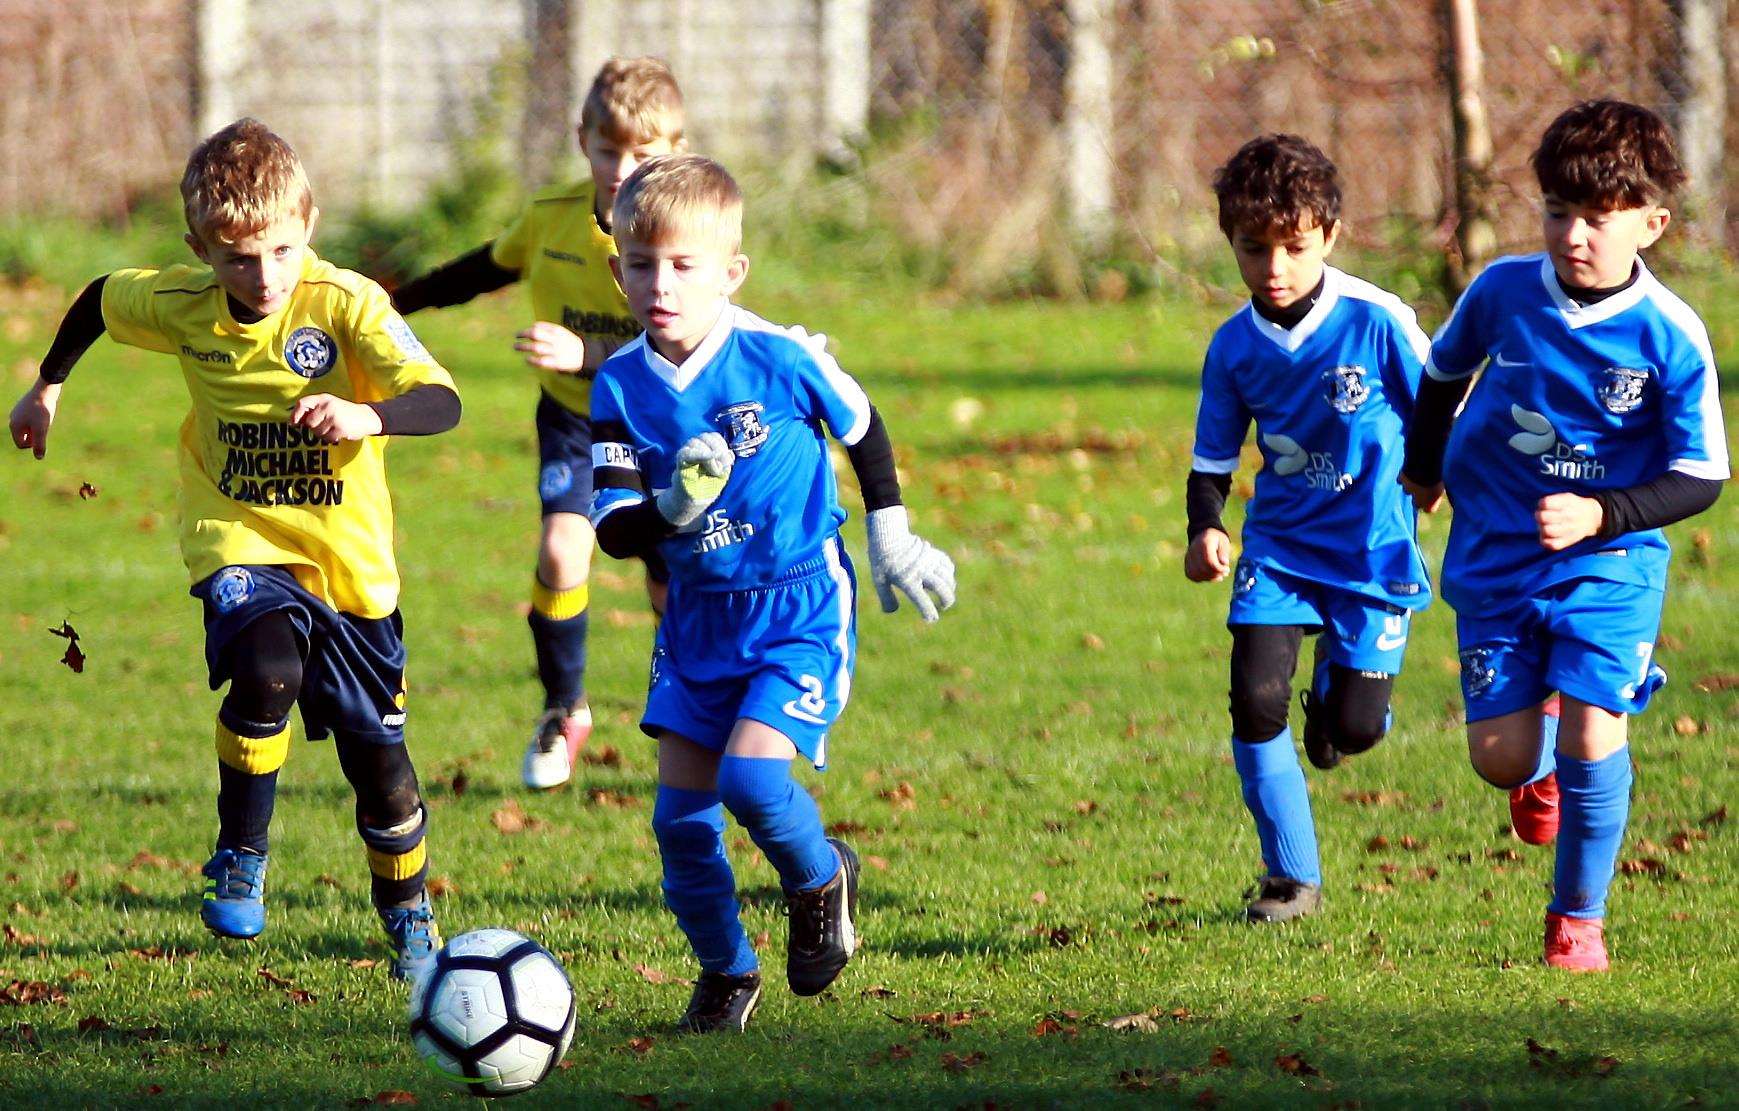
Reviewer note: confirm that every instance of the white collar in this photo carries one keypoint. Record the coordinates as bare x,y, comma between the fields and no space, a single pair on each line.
1291,339
679,378
1578,315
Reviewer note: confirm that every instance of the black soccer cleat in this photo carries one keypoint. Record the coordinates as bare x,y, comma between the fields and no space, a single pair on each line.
823,927
1281,899
721,1002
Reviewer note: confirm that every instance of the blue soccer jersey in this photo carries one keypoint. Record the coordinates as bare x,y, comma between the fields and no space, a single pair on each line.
1330,398
1575,398
769,391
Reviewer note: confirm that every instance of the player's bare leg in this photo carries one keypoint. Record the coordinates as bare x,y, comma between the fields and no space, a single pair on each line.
559,621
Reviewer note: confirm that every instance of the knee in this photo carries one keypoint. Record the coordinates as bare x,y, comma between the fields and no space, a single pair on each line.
1498,765
565,553
686,827
263,687
1360,725
754,790
387,792
1259,707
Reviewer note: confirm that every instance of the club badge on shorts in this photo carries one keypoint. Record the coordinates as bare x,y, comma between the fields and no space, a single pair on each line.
1477,672
557,479
310,352
230,588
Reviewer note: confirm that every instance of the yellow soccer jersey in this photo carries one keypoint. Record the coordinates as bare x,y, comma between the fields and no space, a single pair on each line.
564,256
253,488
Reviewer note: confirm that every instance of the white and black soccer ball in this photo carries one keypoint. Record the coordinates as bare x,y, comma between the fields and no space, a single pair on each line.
495,1012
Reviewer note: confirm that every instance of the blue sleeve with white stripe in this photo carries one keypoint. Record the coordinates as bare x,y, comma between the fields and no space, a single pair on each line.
1463,343
827,392
1408,350
1222,418
1696,439
616,478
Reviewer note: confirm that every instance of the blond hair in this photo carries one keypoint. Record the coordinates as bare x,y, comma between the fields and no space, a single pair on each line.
634,100
677,196
242,180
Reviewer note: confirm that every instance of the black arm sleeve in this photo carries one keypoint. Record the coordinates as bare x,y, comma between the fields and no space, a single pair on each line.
80,328
454,283
872,460
1204,499
1433,413
1671,497
633,531
419,411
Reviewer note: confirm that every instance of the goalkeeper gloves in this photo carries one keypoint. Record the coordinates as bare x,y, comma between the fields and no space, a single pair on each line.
901,560
701,468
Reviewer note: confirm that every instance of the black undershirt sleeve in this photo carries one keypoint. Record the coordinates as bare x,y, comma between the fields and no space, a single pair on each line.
81,327
626,533
1433,413
1204,500
453,283
1671,497
872,460
419,411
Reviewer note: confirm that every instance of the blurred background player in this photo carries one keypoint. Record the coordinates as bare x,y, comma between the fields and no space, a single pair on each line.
561,246
710,447
1327,366
297,372
1596,422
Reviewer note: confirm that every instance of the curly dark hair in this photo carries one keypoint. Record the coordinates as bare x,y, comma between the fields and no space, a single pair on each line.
1609,154
1277,184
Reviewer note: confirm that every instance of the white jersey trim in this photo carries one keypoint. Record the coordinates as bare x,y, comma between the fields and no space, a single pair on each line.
1213,466
1686,320
847,603
1405,318
597,515
1578,315
1291,339
815,345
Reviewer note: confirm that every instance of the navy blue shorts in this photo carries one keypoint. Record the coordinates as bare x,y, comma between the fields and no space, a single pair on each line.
564,475
353,671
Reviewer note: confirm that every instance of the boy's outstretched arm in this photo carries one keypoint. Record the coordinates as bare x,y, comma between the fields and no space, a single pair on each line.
1209,556
898,558
1427,436
34,414
454,283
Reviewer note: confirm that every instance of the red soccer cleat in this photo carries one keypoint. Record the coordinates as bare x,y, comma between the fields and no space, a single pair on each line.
1576,944
1534,806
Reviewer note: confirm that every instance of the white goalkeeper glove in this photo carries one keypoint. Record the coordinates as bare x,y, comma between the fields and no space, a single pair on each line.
899,559
700,471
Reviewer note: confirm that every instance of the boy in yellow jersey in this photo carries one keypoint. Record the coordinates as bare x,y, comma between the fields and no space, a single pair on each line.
297,371
561,245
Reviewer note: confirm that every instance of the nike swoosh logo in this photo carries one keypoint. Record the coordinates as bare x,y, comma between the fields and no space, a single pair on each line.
801,714
1387,643
1501,361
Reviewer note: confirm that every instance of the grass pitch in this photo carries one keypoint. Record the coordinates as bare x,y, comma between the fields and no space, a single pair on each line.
1040,787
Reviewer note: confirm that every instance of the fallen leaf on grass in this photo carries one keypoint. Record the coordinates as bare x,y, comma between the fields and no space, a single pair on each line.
654,976
364,962
86,491
1375,798
20,993
877,991
616,800
1687,726
606,757
1714,817
902,796
512,818
1377,844
1294,1064
158,953
93,1024
15,936
1642,865
954,1062
74,657
1714,684
1047,1026
440,887
22,1035
1220,1058
879,863
640,1046
291,991
1141,1023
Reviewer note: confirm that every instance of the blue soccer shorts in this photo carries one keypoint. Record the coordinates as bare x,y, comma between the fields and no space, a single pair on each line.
1588,638
1363,633
781,655
353,673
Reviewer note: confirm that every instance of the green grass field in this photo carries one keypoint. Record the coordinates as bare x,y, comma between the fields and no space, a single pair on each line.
1040,785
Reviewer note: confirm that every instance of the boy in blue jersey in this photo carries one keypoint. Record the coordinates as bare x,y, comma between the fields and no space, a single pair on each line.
708,447
1595,423
1327,367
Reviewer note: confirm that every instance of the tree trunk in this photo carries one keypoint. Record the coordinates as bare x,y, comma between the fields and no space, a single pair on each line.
1088,121
1699,91
1476,211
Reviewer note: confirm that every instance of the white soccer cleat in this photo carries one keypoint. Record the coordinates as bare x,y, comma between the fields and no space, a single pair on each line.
555,745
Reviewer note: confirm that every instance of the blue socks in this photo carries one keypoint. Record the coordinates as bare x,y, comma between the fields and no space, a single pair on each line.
781,818
1595,799
698,885
1275,793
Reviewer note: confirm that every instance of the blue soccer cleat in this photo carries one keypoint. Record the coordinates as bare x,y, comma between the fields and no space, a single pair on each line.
414,937
235,894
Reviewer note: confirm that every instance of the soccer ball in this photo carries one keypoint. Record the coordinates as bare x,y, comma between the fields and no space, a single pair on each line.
495,1012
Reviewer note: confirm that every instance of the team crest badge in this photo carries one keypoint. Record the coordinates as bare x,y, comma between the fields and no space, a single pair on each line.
556,480
1243,578
1621,392
230,588
310,352
741,424
1345,388
1477,672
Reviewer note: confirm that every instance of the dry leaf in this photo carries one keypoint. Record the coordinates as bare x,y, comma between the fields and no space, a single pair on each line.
86,491
1220,1058
1141,1023
956,1063
654,976
1294,1064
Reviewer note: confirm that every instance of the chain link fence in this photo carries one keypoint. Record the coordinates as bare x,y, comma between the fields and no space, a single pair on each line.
1006,132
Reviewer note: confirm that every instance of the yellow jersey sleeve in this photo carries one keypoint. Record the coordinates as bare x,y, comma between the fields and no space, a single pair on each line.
390,356
131,306
511,247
